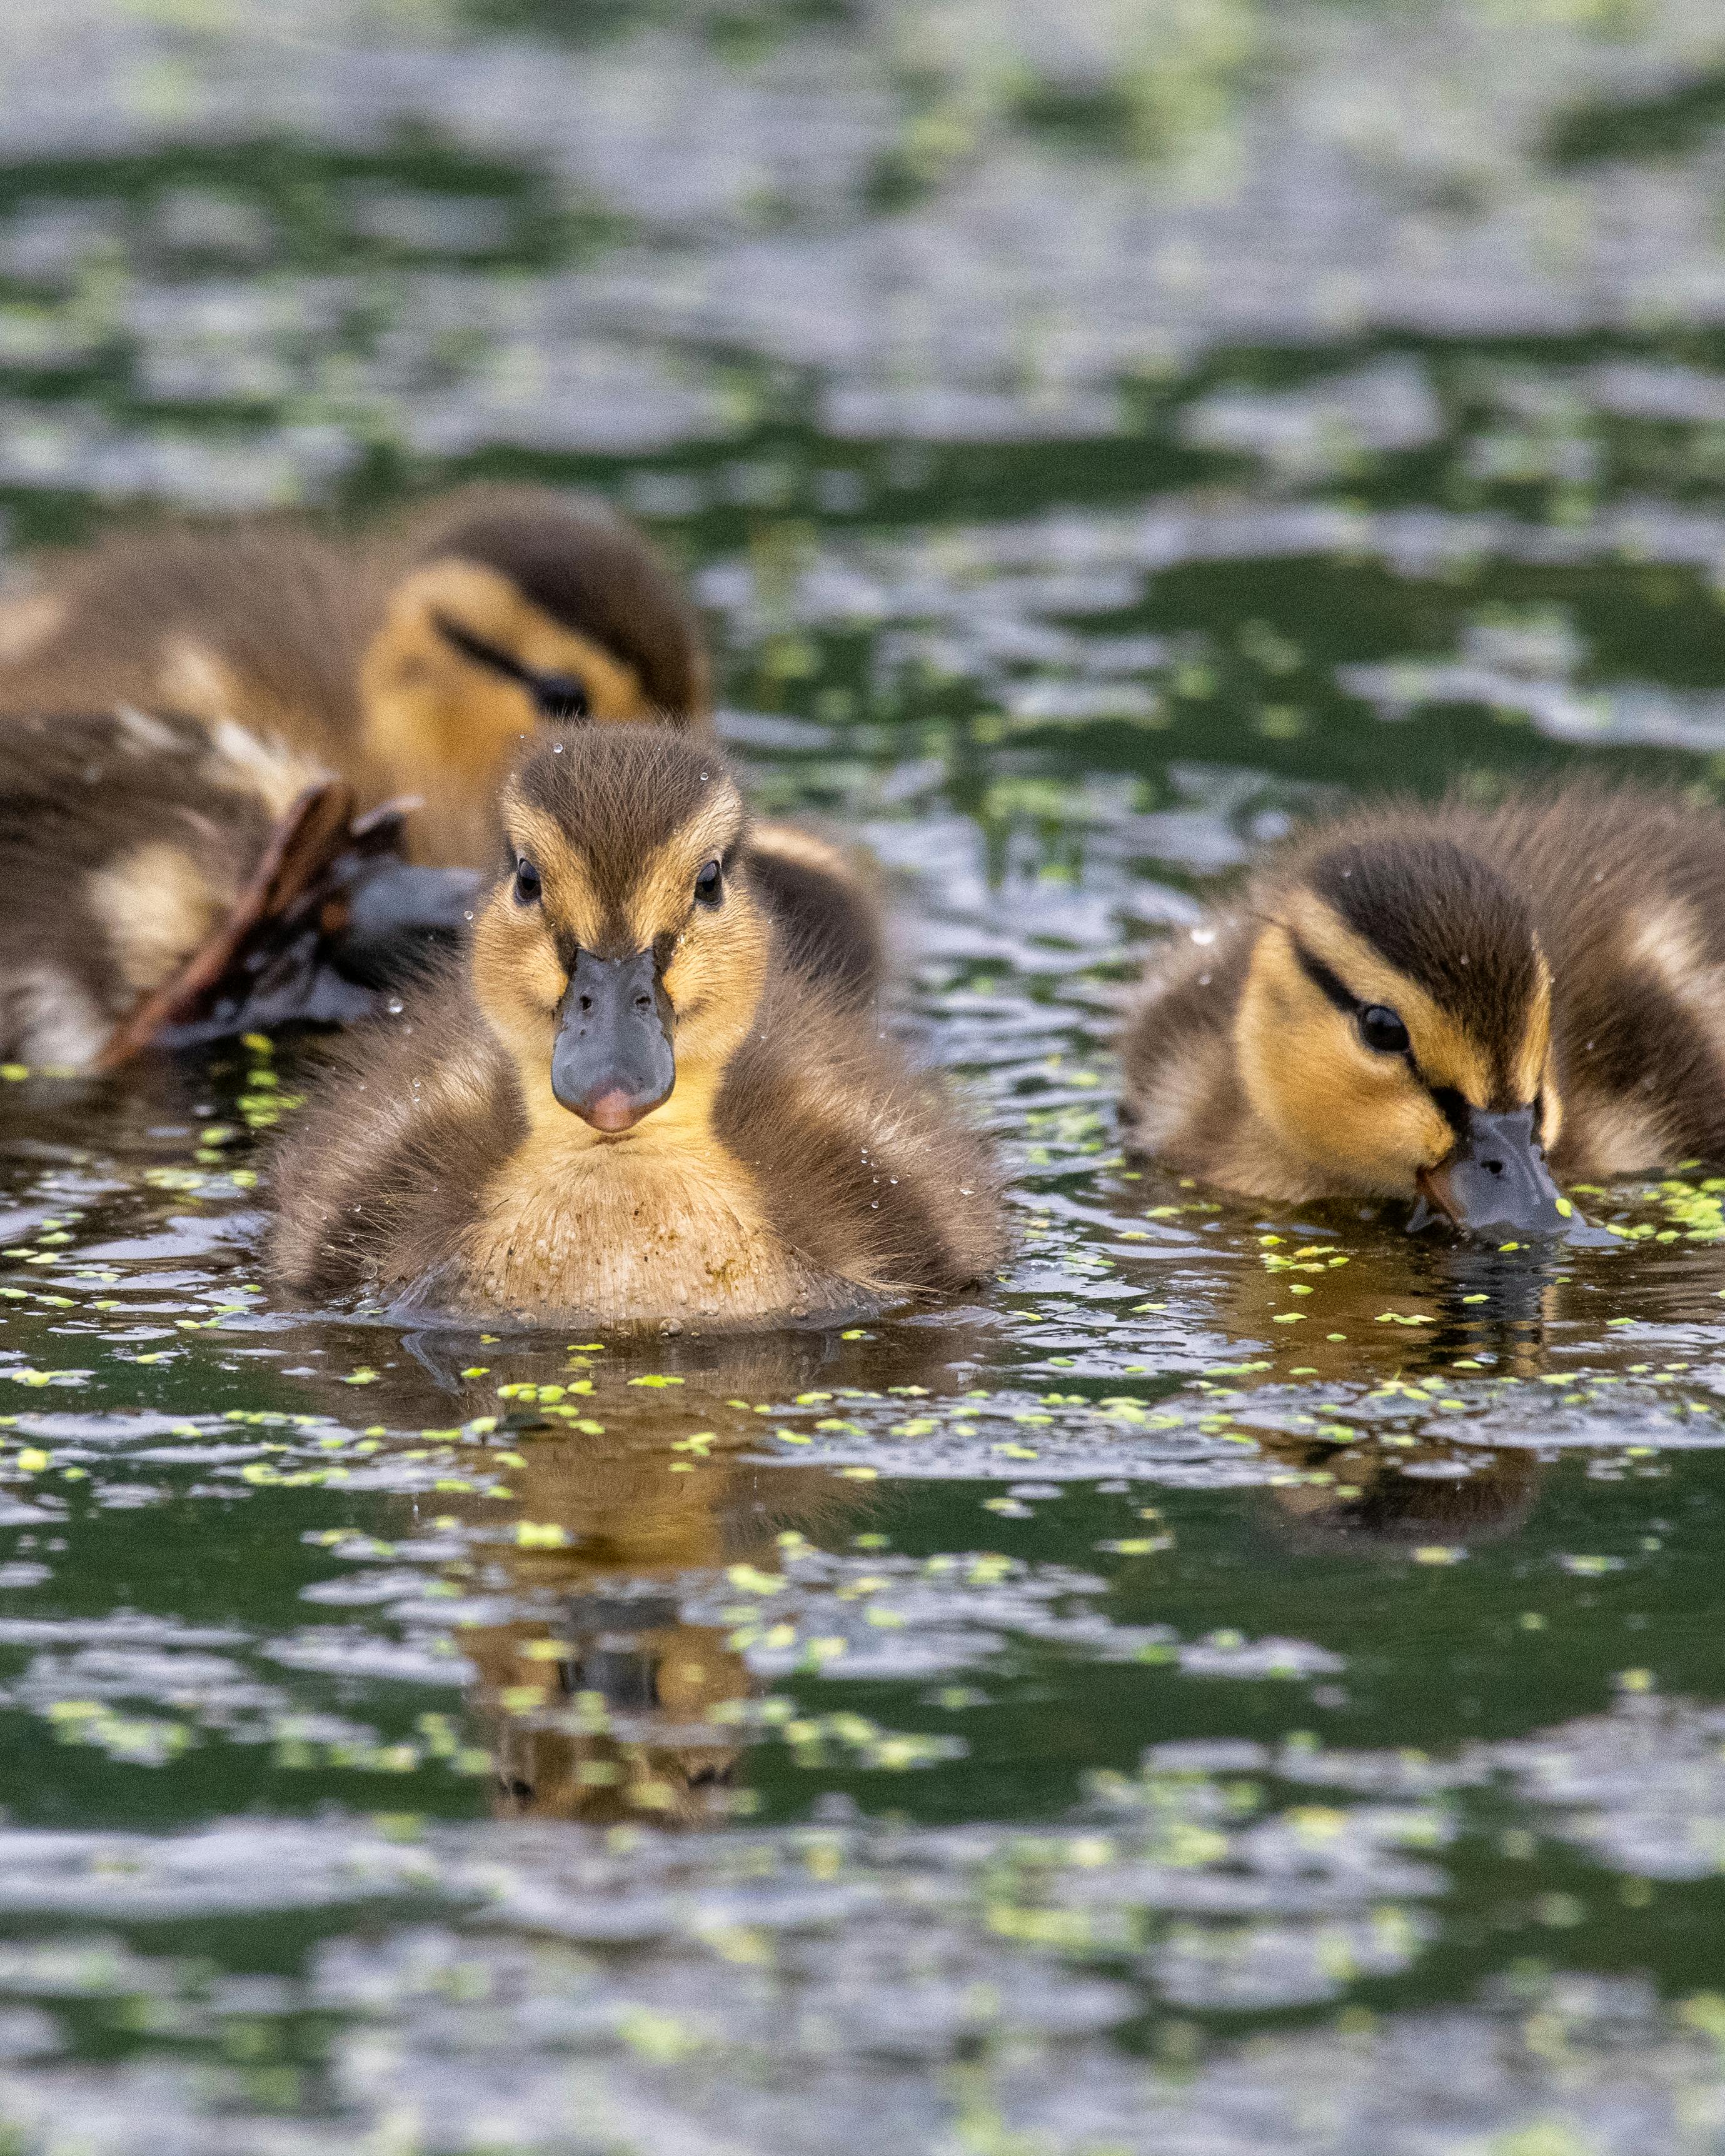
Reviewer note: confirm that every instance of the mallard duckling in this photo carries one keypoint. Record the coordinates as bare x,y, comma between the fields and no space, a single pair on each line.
414,663
1419,1003
631,1109
171,881
422,665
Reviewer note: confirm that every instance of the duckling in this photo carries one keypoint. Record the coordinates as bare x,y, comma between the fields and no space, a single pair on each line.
416,666
169,881
631,1108
1449,1005
413,663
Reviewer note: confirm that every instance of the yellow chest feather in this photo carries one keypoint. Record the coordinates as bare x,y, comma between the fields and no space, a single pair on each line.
631,1232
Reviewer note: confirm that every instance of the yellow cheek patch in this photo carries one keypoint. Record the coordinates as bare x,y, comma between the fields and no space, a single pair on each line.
1446,1053
1365,1118
1529,1069
488,606
517,983
1551,1126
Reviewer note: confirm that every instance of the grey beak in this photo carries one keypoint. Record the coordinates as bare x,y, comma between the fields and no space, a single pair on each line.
612,1061
1495,1181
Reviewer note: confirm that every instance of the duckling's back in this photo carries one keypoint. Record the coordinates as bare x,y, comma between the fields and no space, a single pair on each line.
263,620
125,838
1628,887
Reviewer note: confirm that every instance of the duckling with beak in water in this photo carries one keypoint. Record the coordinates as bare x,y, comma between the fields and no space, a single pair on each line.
1452,1006
631,1108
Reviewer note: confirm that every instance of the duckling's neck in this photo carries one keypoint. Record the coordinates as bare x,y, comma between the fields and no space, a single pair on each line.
621,1227
452,759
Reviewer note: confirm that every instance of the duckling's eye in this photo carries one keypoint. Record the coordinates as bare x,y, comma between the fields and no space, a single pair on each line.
710,884
1380,1029
528,883
559,696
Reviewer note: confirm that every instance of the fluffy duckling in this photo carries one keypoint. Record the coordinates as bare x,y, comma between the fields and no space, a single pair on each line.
631,1109
1434,1004
126,841
421,665
171,881
517,612
415,663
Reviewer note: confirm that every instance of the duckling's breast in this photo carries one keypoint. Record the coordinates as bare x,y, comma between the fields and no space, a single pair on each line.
636,1229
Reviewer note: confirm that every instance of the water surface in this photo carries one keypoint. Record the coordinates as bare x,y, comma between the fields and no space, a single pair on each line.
1247,1679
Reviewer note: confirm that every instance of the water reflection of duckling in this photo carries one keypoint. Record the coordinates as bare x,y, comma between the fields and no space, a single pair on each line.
1376,1499
1364,1307
413,663
645,1390
602,1706
1426,1003
631,1109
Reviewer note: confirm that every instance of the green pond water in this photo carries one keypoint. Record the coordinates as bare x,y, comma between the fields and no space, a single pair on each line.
1246,1680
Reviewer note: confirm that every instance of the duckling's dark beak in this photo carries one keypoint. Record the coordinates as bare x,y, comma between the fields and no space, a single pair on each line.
612,1061
1496,1181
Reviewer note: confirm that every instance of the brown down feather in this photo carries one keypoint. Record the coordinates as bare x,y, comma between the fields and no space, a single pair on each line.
124,839
859,1167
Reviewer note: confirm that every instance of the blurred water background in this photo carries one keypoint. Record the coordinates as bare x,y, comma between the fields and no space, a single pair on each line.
1248,1680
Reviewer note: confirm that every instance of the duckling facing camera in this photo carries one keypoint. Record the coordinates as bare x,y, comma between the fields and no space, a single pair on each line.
1449,1006
631,1107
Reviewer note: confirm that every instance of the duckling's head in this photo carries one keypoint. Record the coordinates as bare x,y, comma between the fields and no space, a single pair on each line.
623,954
1394,1034
519,615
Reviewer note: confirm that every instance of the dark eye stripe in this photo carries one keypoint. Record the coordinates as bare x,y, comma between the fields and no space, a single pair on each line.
1320,977
483,654
1451,1104
558,696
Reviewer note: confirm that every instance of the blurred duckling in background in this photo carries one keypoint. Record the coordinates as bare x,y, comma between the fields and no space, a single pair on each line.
423,664
1432,1004
414,663
633,1109
167,879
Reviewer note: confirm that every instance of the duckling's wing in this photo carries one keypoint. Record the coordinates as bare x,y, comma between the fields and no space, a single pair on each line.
826,904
